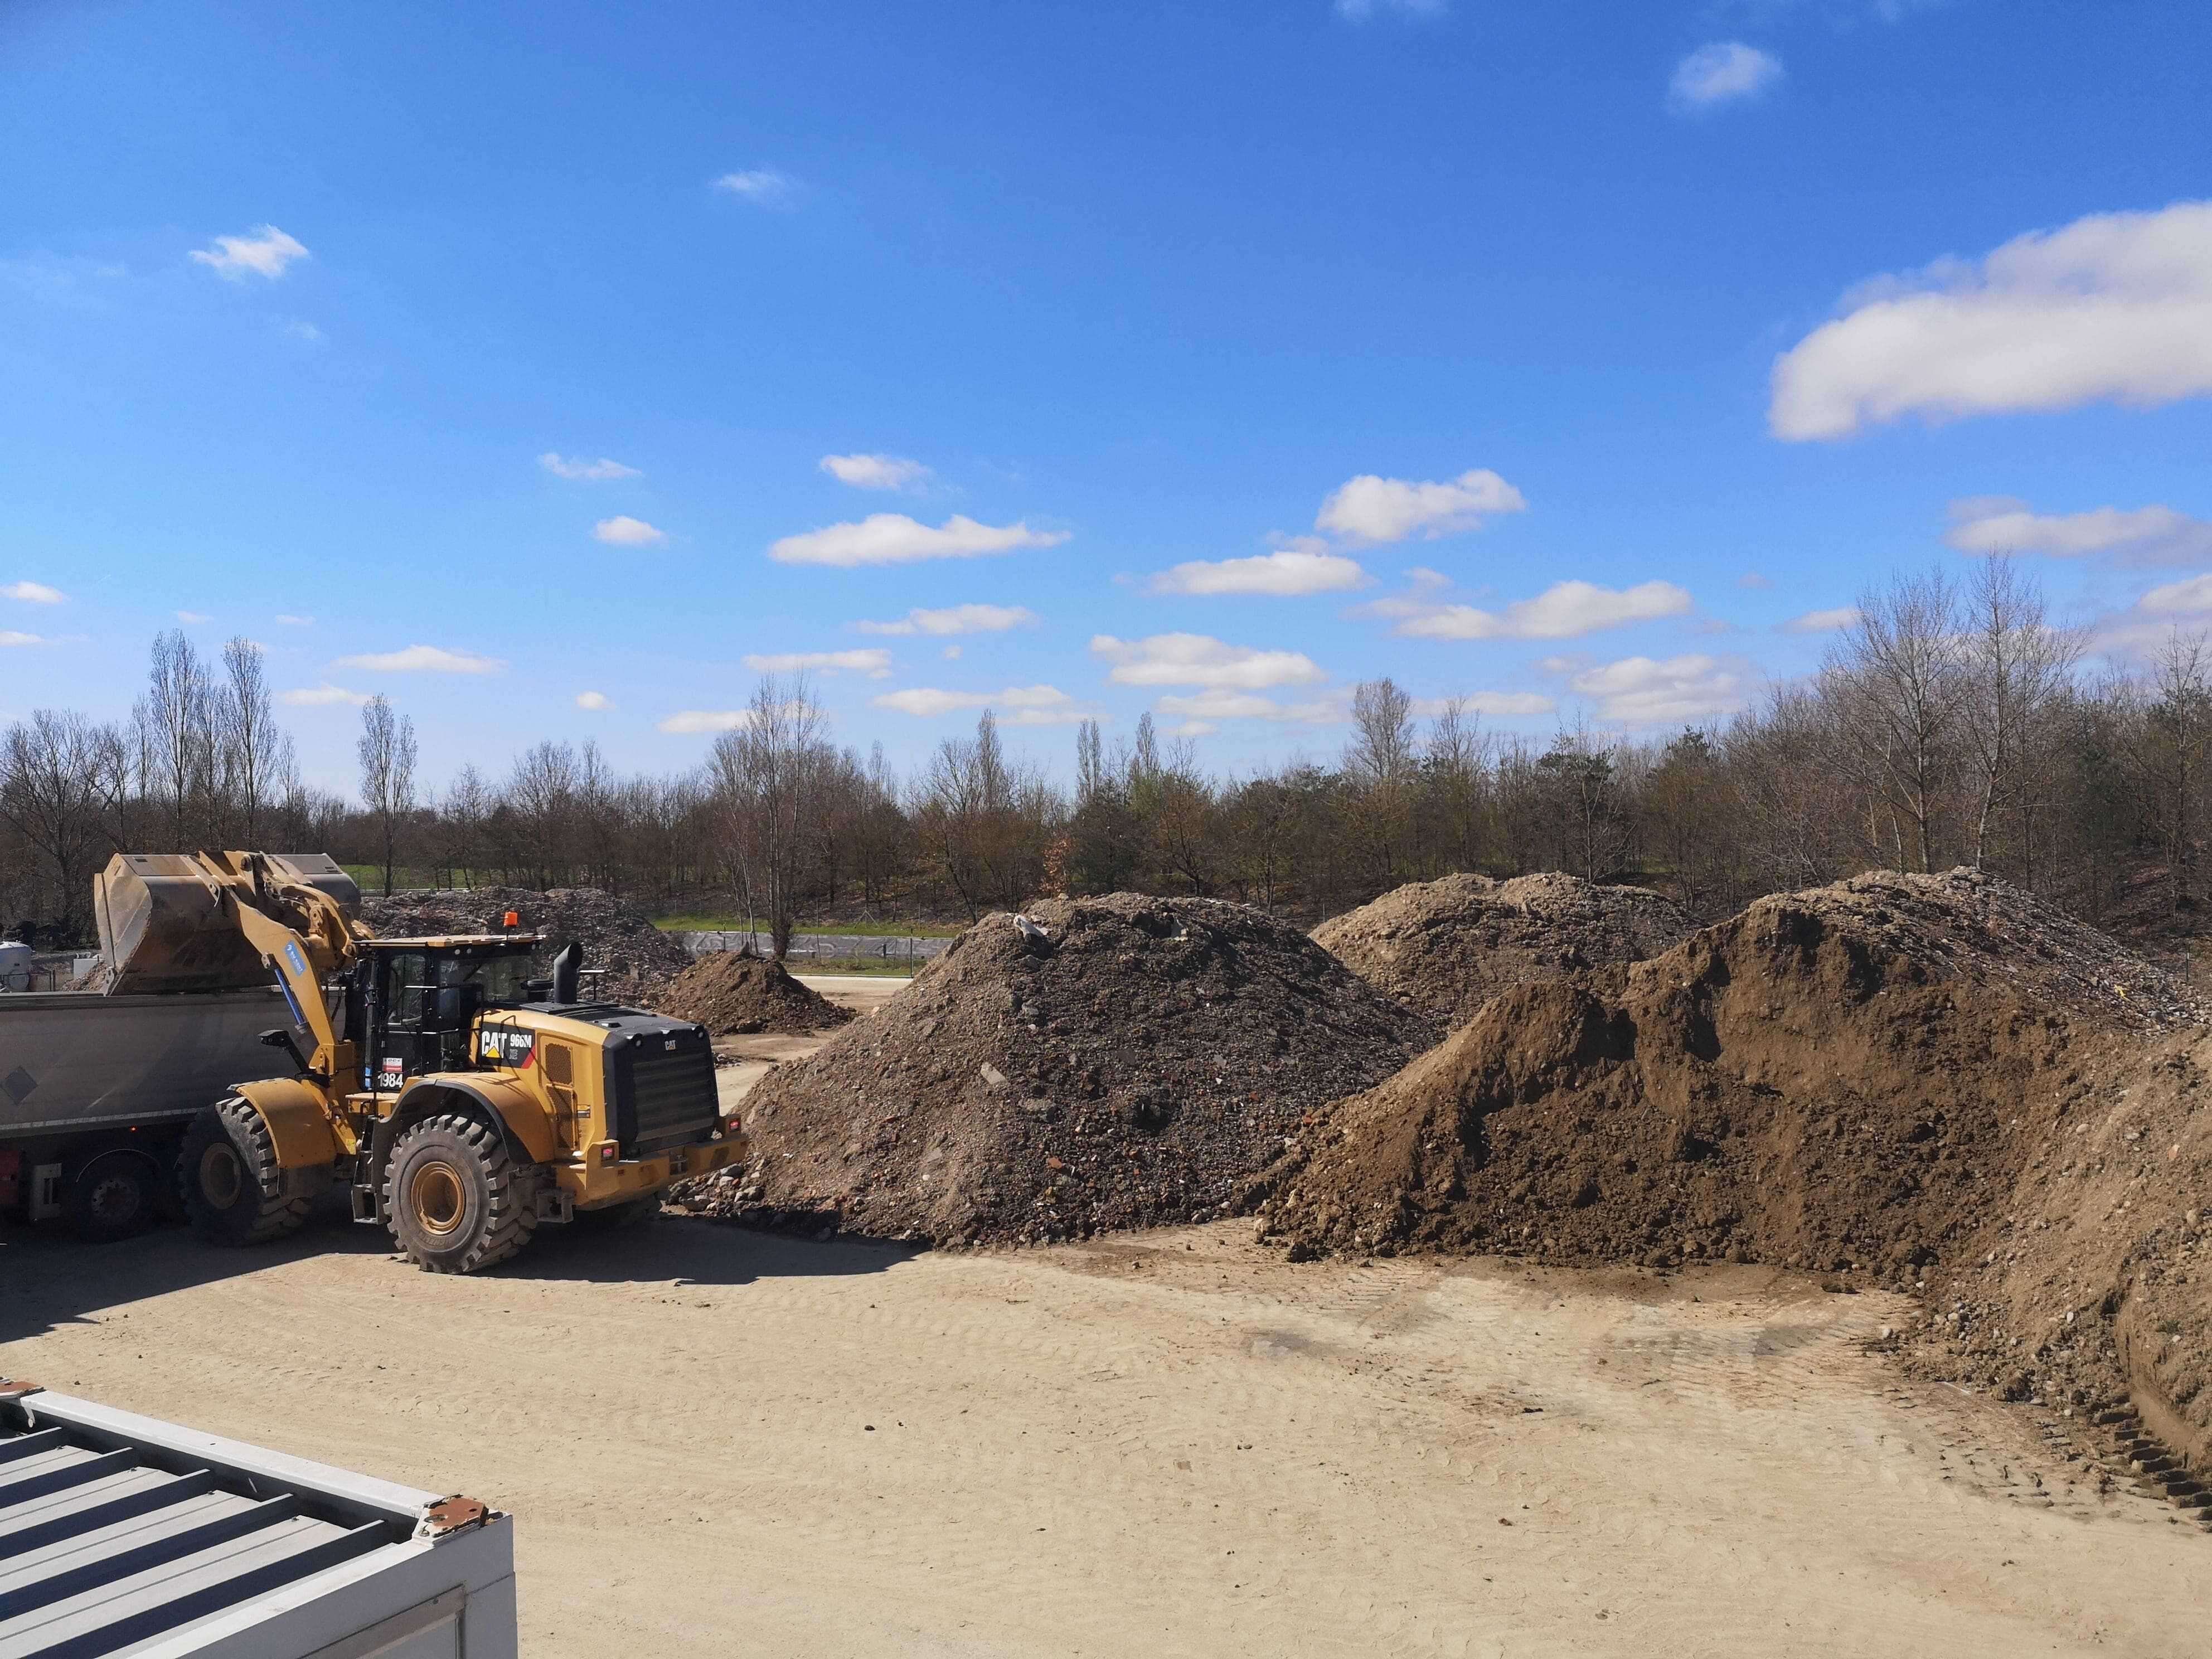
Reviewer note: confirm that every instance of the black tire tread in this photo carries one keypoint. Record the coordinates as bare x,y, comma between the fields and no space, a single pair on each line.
513,1207
275,1214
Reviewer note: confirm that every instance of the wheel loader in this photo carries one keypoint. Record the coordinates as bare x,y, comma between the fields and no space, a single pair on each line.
462,1100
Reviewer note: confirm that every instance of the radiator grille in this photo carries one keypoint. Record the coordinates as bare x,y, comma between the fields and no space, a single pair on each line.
665,1095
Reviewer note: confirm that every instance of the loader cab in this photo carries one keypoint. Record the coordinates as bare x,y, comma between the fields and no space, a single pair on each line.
413,1001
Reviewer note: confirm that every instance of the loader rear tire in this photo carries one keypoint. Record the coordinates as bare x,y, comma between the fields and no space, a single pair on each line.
232,1189
457,1199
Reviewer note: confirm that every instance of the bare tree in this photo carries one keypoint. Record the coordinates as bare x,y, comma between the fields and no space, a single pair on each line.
256,755
176,723
386,750
2170,749
1379,766
51,793
2015,667
1896,684
1456,759
767,777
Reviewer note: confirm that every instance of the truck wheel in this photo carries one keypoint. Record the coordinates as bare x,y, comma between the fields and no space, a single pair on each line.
114,1196
234,1189
457,1199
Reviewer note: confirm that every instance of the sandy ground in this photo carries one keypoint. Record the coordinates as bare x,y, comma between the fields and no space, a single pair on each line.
717,1441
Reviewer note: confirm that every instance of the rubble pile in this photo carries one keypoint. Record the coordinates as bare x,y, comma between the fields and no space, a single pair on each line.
1931,1083
1095,1064
736,993
640,960
1449,947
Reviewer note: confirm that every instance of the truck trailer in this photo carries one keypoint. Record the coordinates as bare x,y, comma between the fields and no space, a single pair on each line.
96,1092
122,1534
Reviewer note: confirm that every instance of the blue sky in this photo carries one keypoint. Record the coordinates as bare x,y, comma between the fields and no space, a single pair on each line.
1585,359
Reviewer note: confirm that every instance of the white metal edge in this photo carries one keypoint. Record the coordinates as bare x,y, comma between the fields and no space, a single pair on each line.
400,1502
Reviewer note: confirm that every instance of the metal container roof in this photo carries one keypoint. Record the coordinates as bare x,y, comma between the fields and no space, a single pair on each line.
121,1534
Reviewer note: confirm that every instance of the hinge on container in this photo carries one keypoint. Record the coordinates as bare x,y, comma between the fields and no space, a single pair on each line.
451,1515
14,1388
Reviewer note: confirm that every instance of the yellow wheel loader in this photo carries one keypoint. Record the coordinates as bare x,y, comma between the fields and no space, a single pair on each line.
463,1101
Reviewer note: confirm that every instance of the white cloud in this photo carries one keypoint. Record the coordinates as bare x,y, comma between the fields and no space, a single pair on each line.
2115,306
590,471
423,660
623,531
951,653
593,700
1753,580
1823,622
691,721
1284,575
2134,536
1017,705
1498,703
33,593
1724,72
297,621
1205,708
894,539
875,471
317,696
264,253
8,636
1562,611
1359,11
956,619
2186,597
761,187
1199,660
1640,691
876,663
303,330
2184,604
1369,508
194,618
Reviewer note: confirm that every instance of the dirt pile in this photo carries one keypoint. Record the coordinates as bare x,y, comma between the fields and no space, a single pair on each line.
734,994
1100,1063
1449,947
639,958
1926,1082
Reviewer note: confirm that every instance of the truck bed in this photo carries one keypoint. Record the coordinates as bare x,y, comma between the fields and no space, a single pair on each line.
76,1059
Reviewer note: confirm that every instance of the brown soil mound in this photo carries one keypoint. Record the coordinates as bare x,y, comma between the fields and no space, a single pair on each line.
733,994
1449,947
1118,1062
1918,1081
639,958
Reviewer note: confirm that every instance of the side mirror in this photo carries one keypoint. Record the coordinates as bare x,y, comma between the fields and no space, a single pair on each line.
452,1009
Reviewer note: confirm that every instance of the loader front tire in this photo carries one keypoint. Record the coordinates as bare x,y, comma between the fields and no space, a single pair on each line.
456,1198
232,1189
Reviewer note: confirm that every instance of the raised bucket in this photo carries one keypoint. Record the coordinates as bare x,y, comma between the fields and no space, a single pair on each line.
162,928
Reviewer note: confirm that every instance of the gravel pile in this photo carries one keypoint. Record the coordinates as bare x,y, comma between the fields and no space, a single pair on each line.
1449,947
639,958
1100,1063
1931,1083
736,993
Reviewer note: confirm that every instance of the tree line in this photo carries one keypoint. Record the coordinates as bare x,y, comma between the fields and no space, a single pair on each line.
1951,722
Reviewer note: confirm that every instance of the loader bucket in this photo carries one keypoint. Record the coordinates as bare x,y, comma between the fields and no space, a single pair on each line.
162,926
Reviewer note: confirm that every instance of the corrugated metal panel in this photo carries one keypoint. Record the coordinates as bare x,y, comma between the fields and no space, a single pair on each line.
113,1539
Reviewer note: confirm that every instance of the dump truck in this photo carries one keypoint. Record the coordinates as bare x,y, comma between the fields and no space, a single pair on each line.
461,1100
122,1533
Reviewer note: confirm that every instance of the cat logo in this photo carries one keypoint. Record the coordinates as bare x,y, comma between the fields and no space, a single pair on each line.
502,1045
